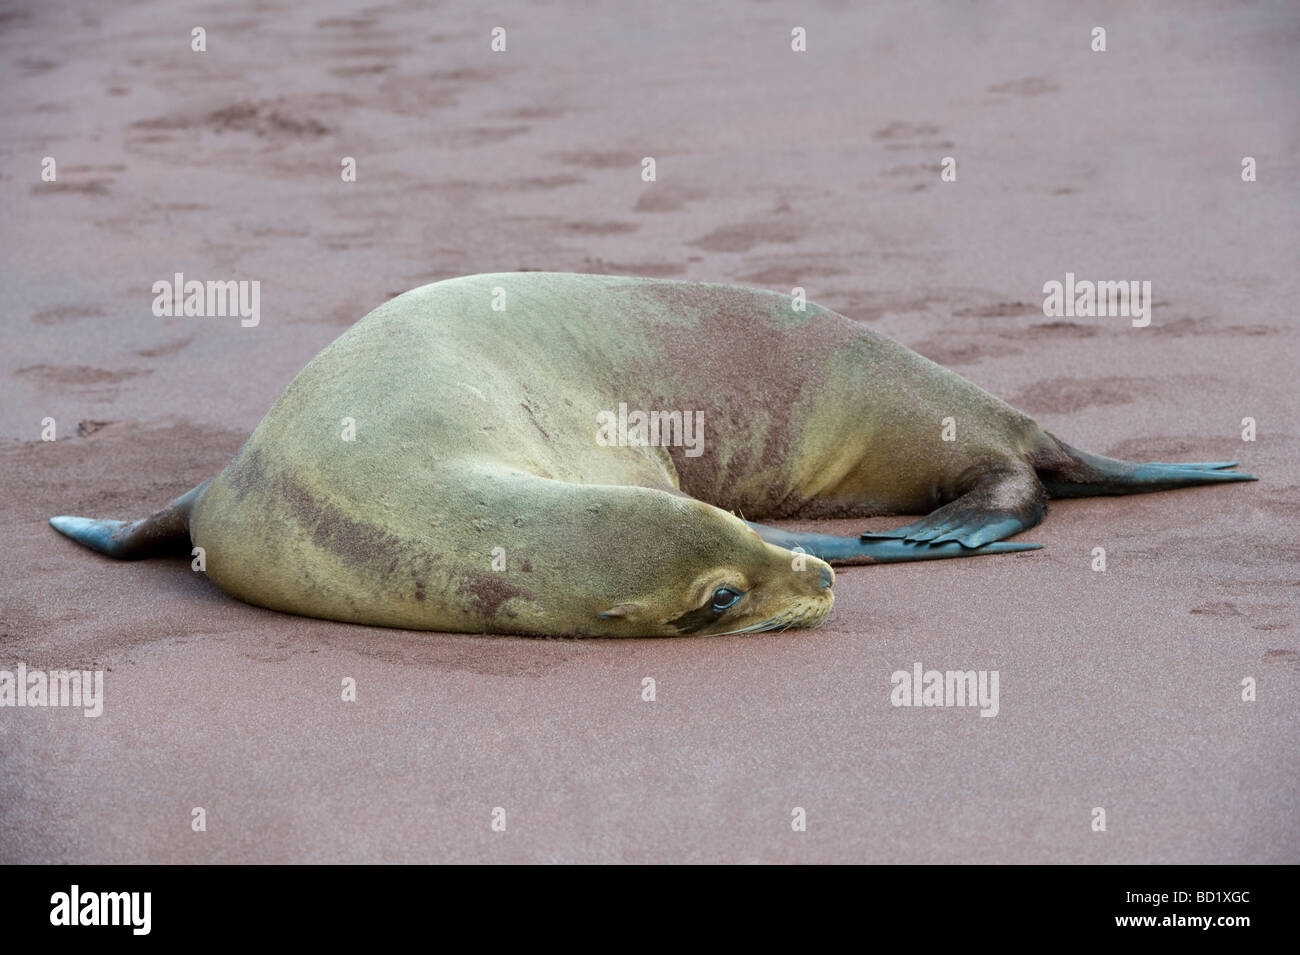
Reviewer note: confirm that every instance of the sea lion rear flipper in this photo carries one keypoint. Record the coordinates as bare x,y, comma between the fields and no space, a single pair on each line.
1000,504
1069,472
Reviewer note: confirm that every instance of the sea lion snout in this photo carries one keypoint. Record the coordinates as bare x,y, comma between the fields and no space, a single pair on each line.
796,591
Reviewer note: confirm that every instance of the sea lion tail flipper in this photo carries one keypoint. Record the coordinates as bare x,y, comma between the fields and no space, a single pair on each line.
165,532
1069,472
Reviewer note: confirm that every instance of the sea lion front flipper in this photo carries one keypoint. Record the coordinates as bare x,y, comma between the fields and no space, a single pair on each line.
854,550
163,532
1196,466
999,505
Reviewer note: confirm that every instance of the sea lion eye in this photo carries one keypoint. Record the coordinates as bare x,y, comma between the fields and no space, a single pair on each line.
724,597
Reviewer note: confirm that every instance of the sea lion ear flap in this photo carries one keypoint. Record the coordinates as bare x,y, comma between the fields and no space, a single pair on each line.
622,610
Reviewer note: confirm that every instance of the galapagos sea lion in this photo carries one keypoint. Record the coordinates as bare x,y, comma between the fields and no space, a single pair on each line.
450,463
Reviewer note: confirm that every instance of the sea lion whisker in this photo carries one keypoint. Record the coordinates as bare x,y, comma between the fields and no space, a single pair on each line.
752,628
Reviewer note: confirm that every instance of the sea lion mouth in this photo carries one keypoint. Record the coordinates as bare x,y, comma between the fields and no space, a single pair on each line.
792,611
798,616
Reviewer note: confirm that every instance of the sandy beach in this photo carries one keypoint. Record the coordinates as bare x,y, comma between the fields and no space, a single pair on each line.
1119,690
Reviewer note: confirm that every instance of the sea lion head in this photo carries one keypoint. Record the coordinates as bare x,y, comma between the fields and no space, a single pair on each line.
714,575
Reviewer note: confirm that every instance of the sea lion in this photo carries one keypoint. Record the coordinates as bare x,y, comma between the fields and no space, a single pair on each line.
452,462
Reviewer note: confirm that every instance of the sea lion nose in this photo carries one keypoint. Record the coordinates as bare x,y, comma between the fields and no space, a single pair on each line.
828,578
